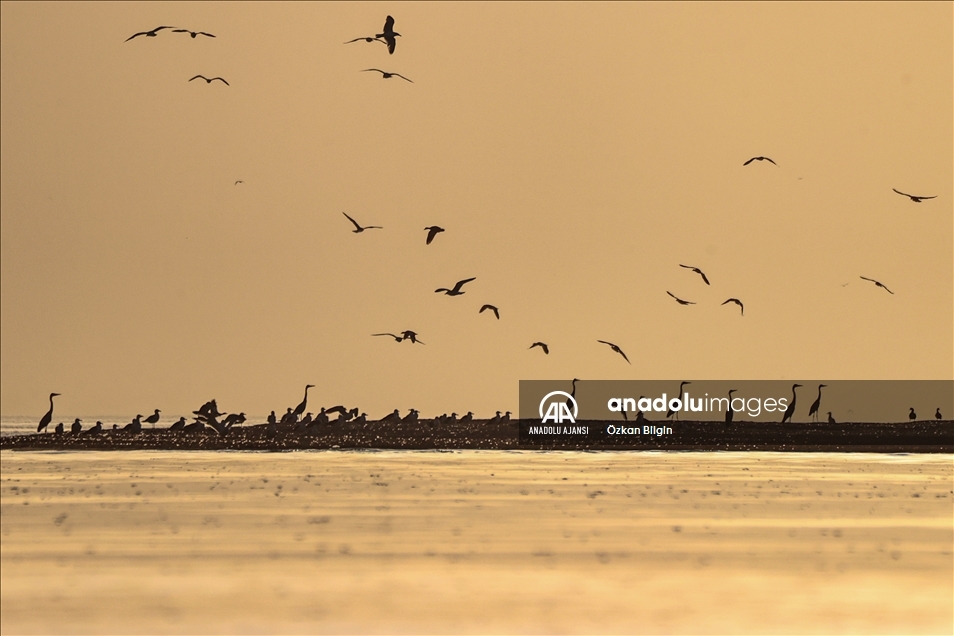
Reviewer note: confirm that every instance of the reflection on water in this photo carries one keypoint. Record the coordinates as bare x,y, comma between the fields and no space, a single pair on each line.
475,541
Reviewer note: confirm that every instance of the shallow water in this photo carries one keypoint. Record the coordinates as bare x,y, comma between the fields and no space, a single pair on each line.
475,541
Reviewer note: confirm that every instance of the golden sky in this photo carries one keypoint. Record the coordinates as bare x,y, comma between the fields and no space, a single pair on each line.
575,153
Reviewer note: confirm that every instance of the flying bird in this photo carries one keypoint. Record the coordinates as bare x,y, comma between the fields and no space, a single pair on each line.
914,198
358,229
616,349
396,338
194,33
412,336
877,284
696,270
456,291
46,419
758,159
387,75
239,181
367,39
432,231
389,34
680,300
491,308
209,81
737,302
542,345
150,34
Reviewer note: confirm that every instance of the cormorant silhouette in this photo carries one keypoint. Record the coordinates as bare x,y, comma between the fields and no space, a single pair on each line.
696,270
542,345
877,284
432,231
680,300
916,199
194,33
831,420
389,34
790,411
209,81
150,34
729,414
616,349
758,159
491,308
912,415
387,75
937,414
456,291
358,229
670,412
46,419
737,302
301,407
813,411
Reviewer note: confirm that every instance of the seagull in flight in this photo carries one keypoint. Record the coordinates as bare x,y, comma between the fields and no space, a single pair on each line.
239,181
914,198
696,270
389,35
150,34
412,336
209,81
432,231
358,229
877,284
194,33
396,338
759,159
737,302
456,291
680,300
491,308
387,75
542,345
366,39
616,349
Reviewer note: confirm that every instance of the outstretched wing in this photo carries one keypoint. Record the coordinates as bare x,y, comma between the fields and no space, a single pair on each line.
461,283
391,48
356,226
135,35
389,24
220,79
749,161
898,191
198,77
703,276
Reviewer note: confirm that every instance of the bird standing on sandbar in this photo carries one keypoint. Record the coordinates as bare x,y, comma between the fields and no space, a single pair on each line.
304,403
616,349
77,426
456,290
937,414
831,420
912,415
790,411
46,419
150,34
680,300
389,34
672,412
432,231
758,159
491,308
209,81
152,419
877,284
386,75
813,411
729,414
696,270
358,229
914,198
542,345
194,33
737,302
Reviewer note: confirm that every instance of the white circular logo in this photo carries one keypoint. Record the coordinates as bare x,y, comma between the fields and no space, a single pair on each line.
558,411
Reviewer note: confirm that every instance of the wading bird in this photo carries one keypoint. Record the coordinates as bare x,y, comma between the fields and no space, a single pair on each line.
670,413
914,198
304,403
680,300
150,34
153,419
46,419
569,400
432,231
209,81
730,413
877,284
389,34
386,75
758,159
542,345
813,411
194,33
396,338
696,270
358,229
456,291
491,308
790,411
831,420
412,336
737,302
616,349
912,415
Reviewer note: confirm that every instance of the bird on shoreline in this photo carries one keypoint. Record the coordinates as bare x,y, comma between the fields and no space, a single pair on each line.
813,411
59,429
671,412
877,284
180,424
456,290
542,345
46,419
737,302
77,427
914,198
696,270
153,419
209,81
193,33
432,231
616,349
358,229
150,34
937,414
831,420
304,403
491,308
389,35
912,415
759,159
790,411
729,414
680,300
387,75
96,429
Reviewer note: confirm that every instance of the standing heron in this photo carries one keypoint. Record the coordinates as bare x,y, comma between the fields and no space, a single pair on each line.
813,411
790,411
670,413
572,397
46,419
304,403
730,413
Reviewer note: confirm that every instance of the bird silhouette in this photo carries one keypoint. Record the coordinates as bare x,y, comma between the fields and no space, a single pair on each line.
77,426
491,308
194,33
209,81
616,349
758,159
59,429
737,302
358,229
412,336
181,424
387,75
389,34
239,181
790,411
916,199
153,419
150,34
96,429
456,291
813,411
831,420
46,419
396,338
671,412
729,414
542,345
912,415
680,300
696,270
304,403
937,414
572,398
367,39
432,231
877,284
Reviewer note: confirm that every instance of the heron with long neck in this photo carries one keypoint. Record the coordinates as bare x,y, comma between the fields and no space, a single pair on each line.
46,419
670,413
730,413
790,411
304,403
813,411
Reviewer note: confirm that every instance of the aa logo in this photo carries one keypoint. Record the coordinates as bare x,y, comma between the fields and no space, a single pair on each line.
558,410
